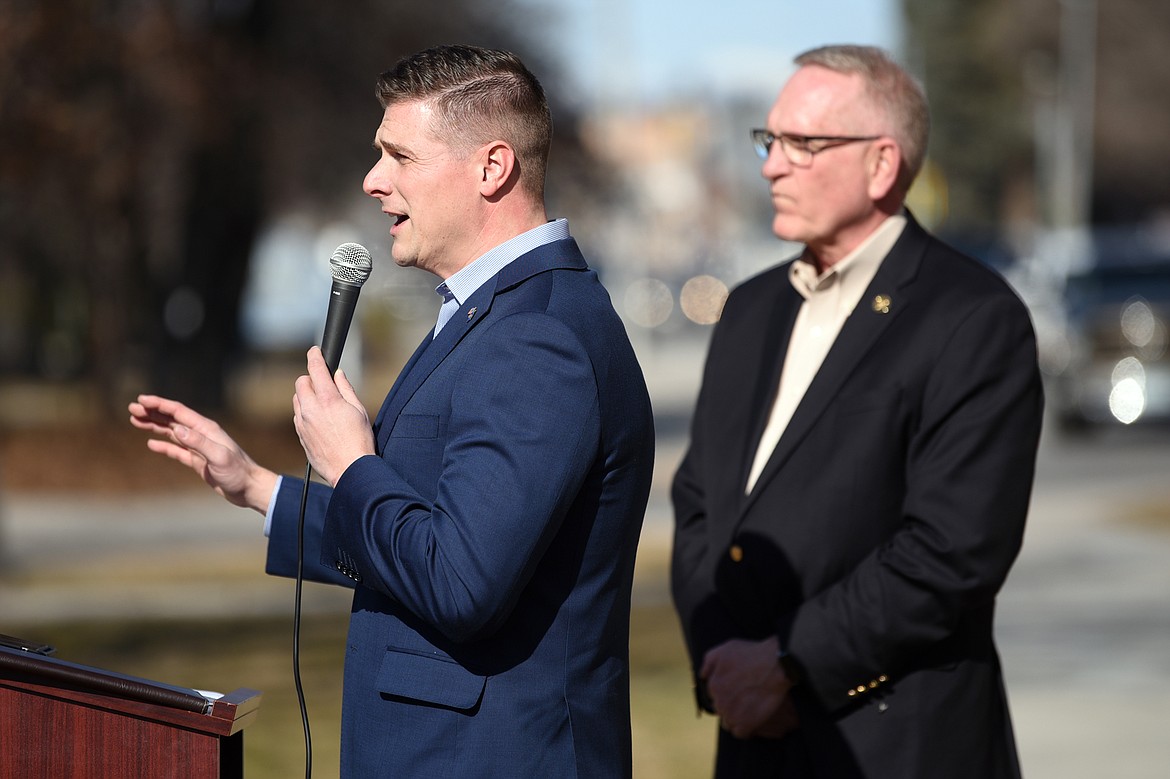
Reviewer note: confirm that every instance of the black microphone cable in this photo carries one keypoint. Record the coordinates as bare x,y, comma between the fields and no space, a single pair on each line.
351,265
296,640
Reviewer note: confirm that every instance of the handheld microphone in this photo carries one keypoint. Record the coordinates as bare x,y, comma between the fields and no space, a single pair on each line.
350,266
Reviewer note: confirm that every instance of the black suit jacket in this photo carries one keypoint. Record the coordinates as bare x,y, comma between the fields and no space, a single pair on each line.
880,531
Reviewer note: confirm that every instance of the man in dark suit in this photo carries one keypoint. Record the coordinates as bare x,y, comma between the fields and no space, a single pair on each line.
488,519
861,462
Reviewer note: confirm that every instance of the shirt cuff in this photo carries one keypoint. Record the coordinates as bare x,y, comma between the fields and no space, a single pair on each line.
271,507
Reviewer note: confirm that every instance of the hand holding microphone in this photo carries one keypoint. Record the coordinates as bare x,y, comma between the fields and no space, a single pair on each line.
330,420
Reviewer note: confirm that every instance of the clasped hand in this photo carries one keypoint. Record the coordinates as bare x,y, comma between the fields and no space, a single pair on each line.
749,689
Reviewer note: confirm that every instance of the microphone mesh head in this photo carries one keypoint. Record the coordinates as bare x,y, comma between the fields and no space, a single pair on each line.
351,263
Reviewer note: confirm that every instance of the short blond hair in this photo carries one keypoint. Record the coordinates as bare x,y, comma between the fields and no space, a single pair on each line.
891,89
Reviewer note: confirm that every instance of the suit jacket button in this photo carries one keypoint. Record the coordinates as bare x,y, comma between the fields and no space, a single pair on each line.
735,553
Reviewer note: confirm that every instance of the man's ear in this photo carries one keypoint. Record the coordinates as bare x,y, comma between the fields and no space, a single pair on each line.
498,168
884,162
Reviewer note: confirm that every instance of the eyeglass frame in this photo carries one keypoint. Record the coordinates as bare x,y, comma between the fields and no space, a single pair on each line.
762,141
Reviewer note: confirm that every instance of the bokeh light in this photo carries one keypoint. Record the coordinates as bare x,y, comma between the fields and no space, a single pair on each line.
1127,400
648,302
702,299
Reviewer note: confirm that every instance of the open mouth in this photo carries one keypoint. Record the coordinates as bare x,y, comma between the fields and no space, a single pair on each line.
399,219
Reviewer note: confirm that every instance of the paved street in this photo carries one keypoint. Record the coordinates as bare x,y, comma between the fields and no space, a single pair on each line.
1084,622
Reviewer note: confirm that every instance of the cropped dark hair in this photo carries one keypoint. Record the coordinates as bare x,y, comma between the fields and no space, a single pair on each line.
478,95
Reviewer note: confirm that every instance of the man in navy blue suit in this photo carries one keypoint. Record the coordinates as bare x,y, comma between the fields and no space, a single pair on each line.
488,518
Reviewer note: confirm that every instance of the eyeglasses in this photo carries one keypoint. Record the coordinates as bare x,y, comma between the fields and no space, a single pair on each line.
799,149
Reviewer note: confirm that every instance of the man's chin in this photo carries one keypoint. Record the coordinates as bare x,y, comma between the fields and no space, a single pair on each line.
402,260
785,230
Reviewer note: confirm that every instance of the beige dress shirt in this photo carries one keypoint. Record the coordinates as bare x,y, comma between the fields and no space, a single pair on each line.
829,299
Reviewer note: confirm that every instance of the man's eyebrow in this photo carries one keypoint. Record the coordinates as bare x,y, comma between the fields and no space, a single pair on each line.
390,147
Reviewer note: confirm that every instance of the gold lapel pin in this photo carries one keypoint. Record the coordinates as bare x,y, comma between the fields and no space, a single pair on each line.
881,304
471,312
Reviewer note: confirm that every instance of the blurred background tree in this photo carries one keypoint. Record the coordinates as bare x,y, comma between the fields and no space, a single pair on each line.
146,144
979,136
994,70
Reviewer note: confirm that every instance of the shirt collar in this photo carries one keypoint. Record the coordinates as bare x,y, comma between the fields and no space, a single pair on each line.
860,264
472,276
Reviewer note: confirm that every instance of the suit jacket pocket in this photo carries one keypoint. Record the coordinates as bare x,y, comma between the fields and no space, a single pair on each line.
432,679
415,426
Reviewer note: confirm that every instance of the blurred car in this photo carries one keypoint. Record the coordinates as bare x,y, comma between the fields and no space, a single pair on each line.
1115,368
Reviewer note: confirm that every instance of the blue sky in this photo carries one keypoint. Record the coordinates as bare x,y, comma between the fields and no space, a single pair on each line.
648,50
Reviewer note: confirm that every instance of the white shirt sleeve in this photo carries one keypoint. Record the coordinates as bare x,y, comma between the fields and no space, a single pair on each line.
271,507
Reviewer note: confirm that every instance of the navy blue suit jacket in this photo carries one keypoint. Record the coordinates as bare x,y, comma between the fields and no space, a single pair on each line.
491,541
877,536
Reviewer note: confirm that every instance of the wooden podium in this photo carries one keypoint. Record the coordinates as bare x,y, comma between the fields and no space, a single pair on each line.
60,720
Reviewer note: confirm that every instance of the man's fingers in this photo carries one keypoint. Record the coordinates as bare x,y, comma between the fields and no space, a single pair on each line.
165,413
710,661
191,440
147,418
158,407
735,728
302,386
144,423
177,453
706,668
318,370
342,382
307,387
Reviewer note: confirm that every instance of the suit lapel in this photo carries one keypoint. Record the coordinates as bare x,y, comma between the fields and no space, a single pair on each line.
428,357
406,369
477,308
864,327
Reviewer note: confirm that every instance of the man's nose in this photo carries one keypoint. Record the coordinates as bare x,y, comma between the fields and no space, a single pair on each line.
776,164
375,184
